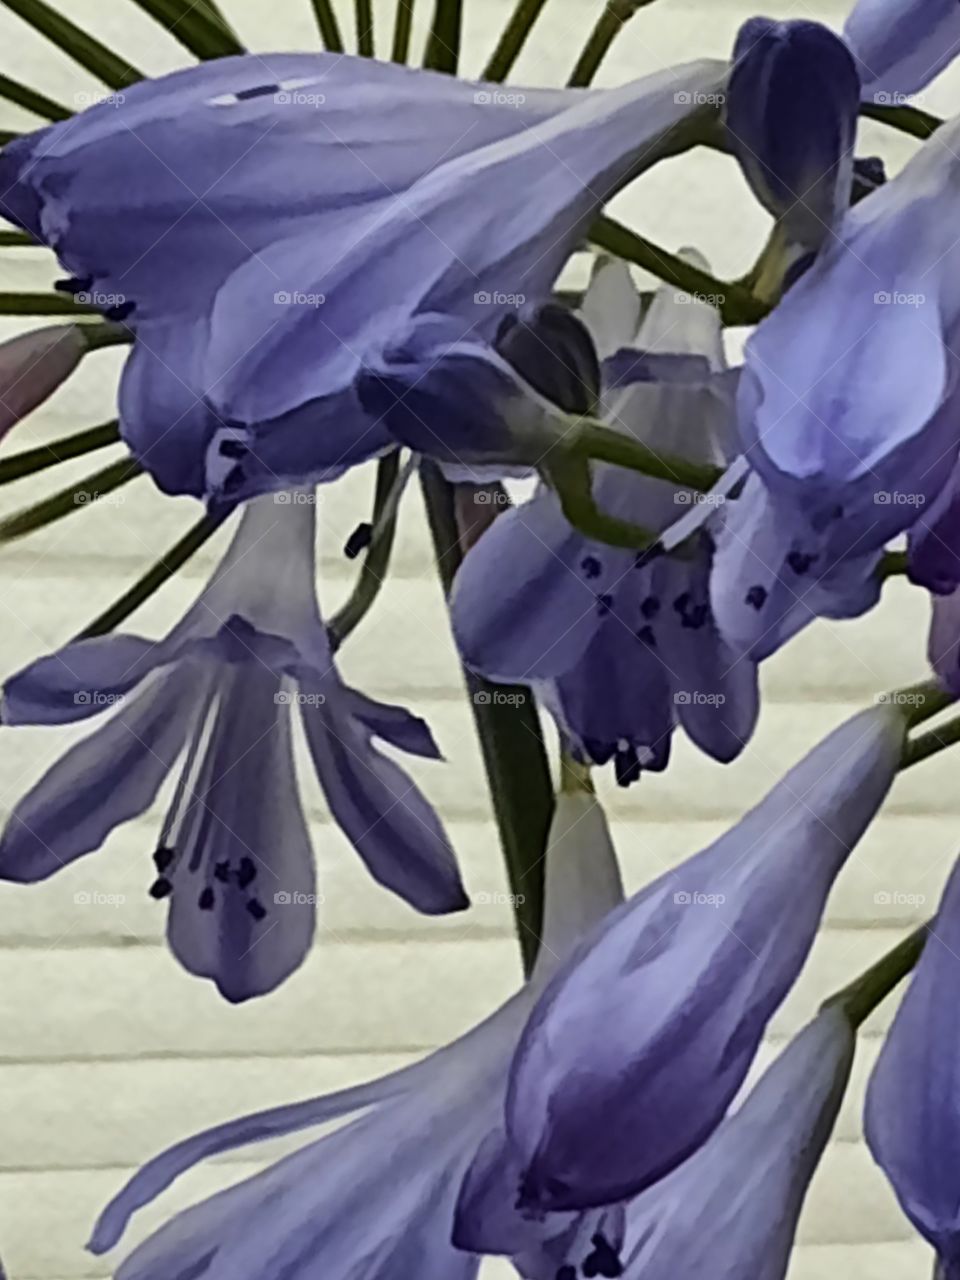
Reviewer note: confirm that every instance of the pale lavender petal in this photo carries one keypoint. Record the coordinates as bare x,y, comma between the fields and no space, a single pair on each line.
900,45
80,680
393,724
110,777
933,543
943,645
679,984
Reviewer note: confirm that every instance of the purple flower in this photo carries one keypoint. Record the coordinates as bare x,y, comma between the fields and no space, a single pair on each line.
900,45
233,856
791,115
912,1123
379,1197
640,1043
732,1208
33,366
852,427
622,646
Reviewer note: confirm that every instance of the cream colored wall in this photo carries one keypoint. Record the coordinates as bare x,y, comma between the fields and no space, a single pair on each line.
108,1051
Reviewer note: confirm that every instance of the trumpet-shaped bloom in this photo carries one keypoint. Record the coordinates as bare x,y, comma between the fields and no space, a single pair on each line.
678,985
219,693
900,45
250,297
847,450
622,646
791,115
379,1197
912,1121
33,366
732,1208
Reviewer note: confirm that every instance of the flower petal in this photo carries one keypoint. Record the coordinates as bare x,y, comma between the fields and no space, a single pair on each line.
33,366
943,647
640,1043
900,45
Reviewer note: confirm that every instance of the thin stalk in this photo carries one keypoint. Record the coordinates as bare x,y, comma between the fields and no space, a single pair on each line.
33,101
66,501
511,741
329,26
602,444
513,39
204,34
105,334
377,560
736,304
862,996
364,14
76,43
443,46
615,16
402,29
931,743
9,239
42,304
921,701
155,577
30,461
6,135
893,564
919,124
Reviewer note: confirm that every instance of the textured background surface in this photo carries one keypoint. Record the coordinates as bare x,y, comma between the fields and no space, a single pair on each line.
108,1051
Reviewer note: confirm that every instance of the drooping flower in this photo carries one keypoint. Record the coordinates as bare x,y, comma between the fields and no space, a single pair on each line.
791,115
378,1197
640,1043
244,371
32,367
852,428
900,45
622,646
731,1210
233,857
912,1123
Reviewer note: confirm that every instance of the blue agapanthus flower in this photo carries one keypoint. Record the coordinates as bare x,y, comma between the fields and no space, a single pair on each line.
220,694
900,45
383,1196
267,225
621,645
646,1035
851,427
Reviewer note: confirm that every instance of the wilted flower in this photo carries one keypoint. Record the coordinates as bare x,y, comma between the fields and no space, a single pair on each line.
900,45
912,1123
791,115
32,367
379,1197
622,645
852,427
732,1208
234,856
639,1045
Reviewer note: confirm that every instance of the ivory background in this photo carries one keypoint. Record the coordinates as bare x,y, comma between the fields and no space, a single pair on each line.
108,1051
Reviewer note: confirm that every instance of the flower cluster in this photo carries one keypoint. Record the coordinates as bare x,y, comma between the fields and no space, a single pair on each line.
372,272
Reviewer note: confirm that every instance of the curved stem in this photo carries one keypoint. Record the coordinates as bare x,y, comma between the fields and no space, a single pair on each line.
31,100
443,46
402,28
42,304
602,444
151,582
364,18
329,26
512,40
862,996
611,22
76,43
30,461
931,743
67,501
202,31
919,124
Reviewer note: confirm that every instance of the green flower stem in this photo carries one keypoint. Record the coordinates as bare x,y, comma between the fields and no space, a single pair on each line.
572,482
41,304
602,444
6,135
329,26
919,124
402,28
155,577
364,16
736,304
30,461
893,564
511,741
66,501
921,701
202,31
931,743
98,335
19,239
377,560
615,16
862,996
31,100
512,40
443,46
77,43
